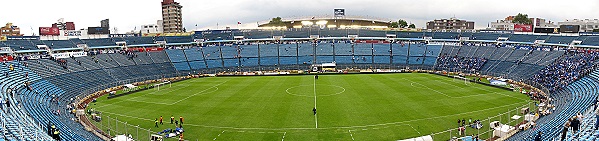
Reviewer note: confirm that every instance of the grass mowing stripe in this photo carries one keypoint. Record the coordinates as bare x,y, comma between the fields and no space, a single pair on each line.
315,115
375,106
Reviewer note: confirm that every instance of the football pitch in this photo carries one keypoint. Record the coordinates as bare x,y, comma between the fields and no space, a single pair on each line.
279,108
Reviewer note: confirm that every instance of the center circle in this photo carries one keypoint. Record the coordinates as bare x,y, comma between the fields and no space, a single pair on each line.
321,90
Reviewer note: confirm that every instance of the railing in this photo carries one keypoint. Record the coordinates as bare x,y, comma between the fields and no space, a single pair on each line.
113,126
504,118
589,110
86,96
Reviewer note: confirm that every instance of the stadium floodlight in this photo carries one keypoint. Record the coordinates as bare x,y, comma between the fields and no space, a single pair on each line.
322,22
307,23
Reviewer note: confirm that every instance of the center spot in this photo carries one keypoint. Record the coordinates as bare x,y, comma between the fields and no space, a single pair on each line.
321,90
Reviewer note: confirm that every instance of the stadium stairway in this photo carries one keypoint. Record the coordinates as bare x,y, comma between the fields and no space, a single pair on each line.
586,132
17,124
37,106
40,106
122,60
575,99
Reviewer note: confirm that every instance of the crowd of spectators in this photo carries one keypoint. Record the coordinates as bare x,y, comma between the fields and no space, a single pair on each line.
460,63
573,65
130,54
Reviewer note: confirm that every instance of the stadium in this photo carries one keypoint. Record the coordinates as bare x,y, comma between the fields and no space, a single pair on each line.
318,78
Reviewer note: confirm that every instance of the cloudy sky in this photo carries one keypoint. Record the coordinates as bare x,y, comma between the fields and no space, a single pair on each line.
125,15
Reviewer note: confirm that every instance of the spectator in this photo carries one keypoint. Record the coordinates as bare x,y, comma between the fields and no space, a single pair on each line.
460,63
538,137
575,124
574,65
596,119
565,130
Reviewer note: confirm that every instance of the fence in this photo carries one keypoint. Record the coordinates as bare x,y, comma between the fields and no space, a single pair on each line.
486,132
112,126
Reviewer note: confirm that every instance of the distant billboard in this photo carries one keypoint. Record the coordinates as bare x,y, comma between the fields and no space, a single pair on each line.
49,31
122,35
72,33
98,30
569,28
166,34
547,30
339,12
522,28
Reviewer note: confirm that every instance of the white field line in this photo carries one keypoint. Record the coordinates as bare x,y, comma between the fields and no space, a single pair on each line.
428,88
218,135
132,99
482,89
148,102
414,129
500,93
449,84
215,89
169,90
315,115
491,92
283,139
342,127
215,86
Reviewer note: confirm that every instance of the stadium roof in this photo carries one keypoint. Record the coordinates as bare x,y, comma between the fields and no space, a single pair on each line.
331,21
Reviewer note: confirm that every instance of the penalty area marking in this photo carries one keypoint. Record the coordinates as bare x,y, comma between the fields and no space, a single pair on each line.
215,86
414,129
198,93
491,92
215,89
424,86
284,136
219,135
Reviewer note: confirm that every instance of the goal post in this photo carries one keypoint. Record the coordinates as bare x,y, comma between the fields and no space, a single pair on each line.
466,82
170,84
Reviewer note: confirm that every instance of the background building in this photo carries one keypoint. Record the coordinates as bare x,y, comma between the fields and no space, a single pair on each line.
151,28
586,25
105,23
172,17
452,23
502,25
10,30
542,23
506,24
64,25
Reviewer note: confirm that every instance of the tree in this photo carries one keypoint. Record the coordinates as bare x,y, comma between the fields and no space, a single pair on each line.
402,23
278,21
399,24
394,25
522,19
412,26
595,30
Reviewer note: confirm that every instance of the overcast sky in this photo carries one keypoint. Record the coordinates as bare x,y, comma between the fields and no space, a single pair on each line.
125,15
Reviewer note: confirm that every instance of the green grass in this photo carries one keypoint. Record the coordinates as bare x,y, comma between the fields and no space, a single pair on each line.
359,106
